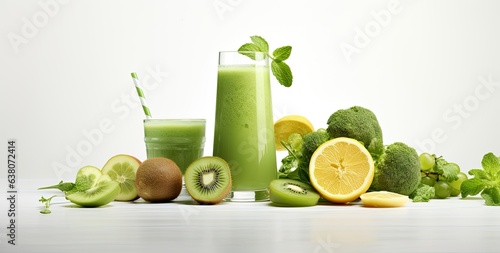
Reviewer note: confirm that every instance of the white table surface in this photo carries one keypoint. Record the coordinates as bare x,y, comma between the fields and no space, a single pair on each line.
451,225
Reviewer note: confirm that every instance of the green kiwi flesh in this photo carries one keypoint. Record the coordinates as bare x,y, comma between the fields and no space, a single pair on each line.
289,192
208,180
102,193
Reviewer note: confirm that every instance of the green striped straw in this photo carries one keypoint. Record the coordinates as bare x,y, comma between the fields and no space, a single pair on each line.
138,87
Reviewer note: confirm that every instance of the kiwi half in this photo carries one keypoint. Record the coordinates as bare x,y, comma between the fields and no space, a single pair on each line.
208,180
289,192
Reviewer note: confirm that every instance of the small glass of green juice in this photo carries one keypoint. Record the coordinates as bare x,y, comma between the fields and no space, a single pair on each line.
181,140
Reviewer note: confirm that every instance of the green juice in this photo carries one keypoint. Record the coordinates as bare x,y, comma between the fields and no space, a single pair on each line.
179,140
244,133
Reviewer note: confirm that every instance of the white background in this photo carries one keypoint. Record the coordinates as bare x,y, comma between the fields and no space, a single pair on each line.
65,71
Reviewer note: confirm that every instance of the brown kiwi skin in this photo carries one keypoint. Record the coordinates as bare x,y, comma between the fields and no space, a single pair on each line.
222,196
158,179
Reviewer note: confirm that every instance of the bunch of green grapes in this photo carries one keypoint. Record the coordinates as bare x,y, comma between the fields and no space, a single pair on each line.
444,176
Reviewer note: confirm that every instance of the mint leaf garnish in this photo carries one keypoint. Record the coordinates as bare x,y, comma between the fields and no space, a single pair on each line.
249,47
485,181
280,69
261,43
282,72
282,53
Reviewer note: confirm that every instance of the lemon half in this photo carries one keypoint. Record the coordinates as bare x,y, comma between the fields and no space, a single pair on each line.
288,125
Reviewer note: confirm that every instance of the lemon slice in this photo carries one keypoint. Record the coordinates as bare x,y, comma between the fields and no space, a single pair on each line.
288,125
384,199
341,169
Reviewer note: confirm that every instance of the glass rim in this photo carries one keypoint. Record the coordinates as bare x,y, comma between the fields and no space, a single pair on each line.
175,120
233,51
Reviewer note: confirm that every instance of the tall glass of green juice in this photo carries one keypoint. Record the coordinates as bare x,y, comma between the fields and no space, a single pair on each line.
244,133
181,140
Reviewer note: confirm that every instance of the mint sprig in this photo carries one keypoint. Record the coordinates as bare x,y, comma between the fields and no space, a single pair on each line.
485,181
279,68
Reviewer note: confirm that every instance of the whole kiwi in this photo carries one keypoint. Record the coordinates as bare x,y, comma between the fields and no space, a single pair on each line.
158,179
208,180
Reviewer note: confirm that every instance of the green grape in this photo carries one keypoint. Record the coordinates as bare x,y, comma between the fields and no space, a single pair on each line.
442,190
434,176
455,185
427,161
430,181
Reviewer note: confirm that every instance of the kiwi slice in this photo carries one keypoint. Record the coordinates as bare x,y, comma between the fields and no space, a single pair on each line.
103,192
289,192
208,180
122,169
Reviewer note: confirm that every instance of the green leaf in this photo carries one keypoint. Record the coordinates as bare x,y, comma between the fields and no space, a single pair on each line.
472,187
261,43
423,193
491,196
448,170
248,47
491,164
288,163
304,176
282,73
280,69
62,186
282,53
479,174
294,175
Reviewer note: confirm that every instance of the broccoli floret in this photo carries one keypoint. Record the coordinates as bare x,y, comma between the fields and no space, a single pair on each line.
313,140
397,170
358,123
